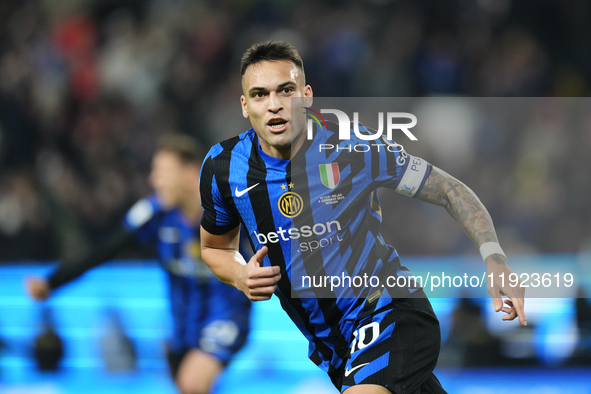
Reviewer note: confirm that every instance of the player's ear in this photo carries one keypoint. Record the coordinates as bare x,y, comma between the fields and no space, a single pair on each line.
308,100
244,109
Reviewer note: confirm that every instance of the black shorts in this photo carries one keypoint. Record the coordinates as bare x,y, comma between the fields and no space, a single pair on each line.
221,339
396,347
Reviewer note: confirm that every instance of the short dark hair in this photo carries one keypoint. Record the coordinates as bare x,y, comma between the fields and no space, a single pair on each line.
184,146
270,50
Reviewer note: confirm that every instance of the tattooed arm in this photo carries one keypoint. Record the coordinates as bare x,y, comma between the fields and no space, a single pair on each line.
461,203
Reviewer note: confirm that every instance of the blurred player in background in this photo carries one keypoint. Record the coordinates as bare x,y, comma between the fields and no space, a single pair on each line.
210,318
271,179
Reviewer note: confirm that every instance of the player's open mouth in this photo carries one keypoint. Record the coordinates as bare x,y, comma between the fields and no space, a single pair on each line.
277,124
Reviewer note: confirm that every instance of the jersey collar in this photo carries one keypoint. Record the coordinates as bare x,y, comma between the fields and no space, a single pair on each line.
271,161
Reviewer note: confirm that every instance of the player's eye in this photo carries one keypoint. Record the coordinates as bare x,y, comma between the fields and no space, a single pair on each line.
257,95
287,90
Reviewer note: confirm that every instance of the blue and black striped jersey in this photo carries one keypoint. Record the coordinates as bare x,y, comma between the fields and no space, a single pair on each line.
320,216
197,297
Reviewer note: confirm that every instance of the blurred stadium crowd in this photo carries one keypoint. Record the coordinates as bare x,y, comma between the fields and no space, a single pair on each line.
86,87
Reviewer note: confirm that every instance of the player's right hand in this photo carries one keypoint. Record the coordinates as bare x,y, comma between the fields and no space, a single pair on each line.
37,288
258,282
514,307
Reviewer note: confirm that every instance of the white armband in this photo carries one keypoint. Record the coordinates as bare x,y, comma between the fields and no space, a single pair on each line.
413,176
488,248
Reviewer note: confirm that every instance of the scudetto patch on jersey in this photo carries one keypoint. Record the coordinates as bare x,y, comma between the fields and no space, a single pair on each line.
330,175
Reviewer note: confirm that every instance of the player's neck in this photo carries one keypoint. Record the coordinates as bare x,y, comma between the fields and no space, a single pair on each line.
297,144
287,153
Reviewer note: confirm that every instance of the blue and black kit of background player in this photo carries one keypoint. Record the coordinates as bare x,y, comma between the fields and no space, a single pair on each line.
316,225
207,314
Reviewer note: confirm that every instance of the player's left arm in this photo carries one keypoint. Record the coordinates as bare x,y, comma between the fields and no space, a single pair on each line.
467,210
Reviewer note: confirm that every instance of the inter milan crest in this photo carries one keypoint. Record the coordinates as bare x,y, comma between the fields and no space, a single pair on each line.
290,204
330,175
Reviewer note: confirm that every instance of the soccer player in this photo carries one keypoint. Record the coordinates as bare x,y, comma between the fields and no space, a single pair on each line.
210,318
270,179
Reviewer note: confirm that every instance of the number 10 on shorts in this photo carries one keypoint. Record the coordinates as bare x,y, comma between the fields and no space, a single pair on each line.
359,340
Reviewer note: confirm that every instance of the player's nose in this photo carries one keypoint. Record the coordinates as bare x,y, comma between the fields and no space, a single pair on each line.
274,103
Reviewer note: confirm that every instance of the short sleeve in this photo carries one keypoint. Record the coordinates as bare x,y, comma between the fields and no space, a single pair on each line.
218,216
140,219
